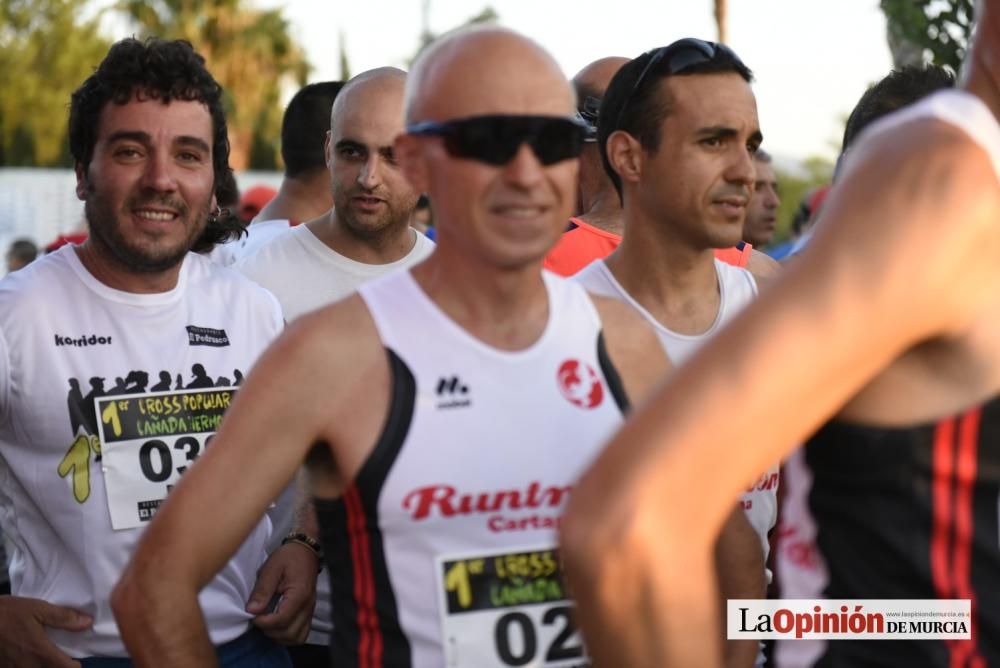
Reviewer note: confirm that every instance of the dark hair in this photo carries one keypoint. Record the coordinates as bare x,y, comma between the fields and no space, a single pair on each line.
304,127
899,89
645,109
224,224
24,250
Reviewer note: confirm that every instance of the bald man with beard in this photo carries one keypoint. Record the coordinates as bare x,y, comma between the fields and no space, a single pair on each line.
879,359
443,412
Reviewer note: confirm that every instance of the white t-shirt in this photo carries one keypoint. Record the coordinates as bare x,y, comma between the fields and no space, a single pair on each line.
106,397
737,288
306,274
257,234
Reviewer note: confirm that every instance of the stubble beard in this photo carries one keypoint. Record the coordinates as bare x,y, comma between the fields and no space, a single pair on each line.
372,230
105,230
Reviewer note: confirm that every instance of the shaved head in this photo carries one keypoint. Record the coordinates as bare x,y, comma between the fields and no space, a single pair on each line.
363,85
593,79
485,71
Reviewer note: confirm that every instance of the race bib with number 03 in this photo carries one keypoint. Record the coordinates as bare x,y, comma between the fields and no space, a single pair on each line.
507,609
148,441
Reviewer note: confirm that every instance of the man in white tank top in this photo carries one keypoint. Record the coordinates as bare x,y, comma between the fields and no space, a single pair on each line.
873,324
117,359
678,144
443,412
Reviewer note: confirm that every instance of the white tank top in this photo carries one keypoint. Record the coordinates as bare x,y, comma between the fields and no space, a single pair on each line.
444,550
106,397
737,288
956,107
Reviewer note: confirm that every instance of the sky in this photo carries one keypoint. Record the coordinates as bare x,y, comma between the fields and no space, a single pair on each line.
812,59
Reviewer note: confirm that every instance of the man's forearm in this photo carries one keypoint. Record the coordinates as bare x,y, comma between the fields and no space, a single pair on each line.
161,623
739,564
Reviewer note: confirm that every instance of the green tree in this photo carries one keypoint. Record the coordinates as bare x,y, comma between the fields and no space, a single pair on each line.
47,48
934,31
249,51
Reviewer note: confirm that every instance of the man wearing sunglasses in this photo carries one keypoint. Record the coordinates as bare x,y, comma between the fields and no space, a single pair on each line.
443,412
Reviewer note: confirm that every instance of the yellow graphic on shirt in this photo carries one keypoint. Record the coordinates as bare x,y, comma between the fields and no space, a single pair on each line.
507,609
138,406
77,462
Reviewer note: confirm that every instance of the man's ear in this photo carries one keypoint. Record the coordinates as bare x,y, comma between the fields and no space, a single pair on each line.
327,150
625,155
412,161
82,185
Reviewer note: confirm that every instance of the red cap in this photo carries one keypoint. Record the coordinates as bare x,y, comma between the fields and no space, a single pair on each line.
254,199
63,239
817,198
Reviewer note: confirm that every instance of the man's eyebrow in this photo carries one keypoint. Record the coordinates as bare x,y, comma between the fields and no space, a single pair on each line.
720,131
144,138
350,143
197,142
725,132
129,135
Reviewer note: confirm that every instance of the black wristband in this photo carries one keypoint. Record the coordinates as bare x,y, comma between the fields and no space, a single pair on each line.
307,541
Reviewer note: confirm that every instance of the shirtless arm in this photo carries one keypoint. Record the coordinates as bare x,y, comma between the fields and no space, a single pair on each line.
848,306
763,267
639,359
286,405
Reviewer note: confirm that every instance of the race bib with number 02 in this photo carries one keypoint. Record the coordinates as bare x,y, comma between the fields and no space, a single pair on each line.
148,441
508,609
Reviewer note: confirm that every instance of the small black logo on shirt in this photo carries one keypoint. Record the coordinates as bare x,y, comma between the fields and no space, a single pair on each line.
83,340
452,393
203,336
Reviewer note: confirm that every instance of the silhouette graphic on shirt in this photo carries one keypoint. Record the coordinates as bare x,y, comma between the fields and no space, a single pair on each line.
201,379
164,383
76,407
89,401
136,381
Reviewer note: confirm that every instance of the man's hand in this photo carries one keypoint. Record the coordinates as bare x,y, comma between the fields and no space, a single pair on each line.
288,577
23,642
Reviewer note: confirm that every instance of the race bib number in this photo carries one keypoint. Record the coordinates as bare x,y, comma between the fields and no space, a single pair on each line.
508,609
148,441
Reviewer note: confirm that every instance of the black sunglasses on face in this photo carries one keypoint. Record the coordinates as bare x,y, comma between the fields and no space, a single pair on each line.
679,56
495,139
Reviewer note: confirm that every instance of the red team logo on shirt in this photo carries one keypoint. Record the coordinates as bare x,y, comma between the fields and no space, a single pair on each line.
580,384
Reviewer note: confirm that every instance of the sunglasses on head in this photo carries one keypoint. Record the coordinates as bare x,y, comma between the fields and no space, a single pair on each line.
495,139
678,57
586,114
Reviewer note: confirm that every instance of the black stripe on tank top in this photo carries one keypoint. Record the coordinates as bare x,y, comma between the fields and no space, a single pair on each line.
366,628
611,375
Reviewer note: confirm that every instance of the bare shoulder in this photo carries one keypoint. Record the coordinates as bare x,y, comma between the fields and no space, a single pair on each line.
762,266
914,218
632,345
344,368
321,354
